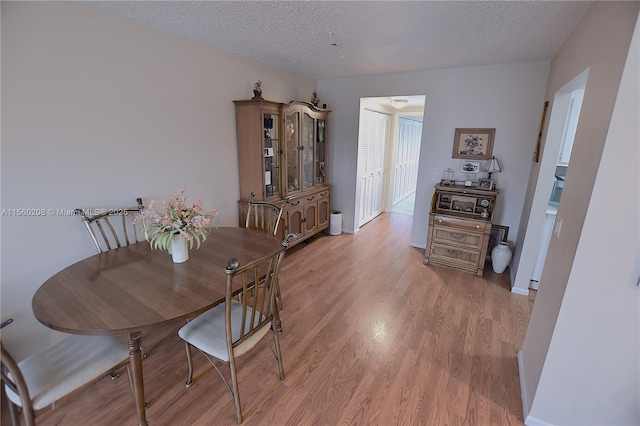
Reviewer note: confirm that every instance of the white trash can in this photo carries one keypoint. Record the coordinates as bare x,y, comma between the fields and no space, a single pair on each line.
335,223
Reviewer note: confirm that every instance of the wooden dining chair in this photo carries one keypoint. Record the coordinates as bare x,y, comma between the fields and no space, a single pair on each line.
234,327
112,228
266,217
59,370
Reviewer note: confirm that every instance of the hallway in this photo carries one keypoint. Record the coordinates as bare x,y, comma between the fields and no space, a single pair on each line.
406,205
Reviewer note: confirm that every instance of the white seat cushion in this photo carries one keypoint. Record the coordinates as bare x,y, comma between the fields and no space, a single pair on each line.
207,331
68,365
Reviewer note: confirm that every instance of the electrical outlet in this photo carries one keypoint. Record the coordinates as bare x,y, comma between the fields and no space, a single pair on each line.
557,227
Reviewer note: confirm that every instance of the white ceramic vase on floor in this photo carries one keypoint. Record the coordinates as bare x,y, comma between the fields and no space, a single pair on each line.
179,249
500,257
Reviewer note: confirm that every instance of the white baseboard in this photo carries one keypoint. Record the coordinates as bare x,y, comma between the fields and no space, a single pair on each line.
532,421
347,231
523,388
520,291
528,420
416,245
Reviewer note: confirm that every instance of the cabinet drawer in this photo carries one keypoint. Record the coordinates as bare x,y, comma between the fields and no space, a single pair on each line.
454,256
293,204
322,194
305,199
445,235
471,225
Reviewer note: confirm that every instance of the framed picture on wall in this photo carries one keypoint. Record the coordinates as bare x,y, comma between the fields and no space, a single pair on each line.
470,167
473,144
498,234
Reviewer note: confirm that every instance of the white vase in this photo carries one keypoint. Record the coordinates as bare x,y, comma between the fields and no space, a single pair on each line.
500,257
179,249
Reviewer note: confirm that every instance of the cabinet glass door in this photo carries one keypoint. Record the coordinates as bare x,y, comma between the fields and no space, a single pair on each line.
291,128
271,155
320,152
307,149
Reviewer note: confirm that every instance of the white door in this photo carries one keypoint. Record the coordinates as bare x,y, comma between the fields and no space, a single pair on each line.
374,143
407,156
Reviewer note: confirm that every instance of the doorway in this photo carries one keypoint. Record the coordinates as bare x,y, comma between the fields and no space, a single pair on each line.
407,156
390,135
554,162
570,104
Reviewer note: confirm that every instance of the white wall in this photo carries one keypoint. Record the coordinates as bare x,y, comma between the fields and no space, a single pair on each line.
599,44
97,112
579,361
506,97
601,308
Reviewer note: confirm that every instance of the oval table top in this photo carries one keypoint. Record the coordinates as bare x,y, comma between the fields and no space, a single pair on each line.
135,288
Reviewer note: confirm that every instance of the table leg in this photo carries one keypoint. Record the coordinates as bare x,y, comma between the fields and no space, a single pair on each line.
135,364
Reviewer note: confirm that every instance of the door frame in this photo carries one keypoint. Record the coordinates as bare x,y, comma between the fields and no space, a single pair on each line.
384,103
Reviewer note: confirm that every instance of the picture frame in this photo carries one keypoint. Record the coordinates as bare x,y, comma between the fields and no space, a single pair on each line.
462,203
470,167
485,184
536,152
473,144
498,234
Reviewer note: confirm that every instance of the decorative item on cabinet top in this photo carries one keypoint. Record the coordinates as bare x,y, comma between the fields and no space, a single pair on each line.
485,184
257,90
492,167
448,177
314,98
470,167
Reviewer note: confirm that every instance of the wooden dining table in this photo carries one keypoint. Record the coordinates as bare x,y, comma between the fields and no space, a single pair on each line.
134,289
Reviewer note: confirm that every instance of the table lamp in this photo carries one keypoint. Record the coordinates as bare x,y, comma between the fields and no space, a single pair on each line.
492,166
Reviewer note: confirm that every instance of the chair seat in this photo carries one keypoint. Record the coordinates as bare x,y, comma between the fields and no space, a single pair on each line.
207,331
68,365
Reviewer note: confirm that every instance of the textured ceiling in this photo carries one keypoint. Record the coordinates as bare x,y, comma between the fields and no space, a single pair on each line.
327,39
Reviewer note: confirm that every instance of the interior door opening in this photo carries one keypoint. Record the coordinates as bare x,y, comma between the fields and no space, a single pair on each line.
407,157
545,202
571,111
390,135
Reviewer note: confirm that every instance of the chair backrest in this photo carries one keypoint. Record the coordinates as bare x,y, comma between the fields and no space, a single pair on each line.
112,228
264,216
13,379
254,287
47,376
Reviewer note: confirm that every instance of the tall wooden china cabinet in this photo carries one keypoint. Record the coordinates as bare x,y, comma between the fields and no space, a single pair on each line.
282,153
459,227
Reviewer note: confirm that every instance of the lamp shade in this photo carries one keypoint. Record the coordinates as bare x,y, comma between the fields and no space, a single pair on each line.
492,166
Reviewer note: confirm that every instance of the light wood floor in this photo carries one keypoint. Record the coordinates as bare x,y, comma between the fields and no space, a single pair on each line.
371,337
